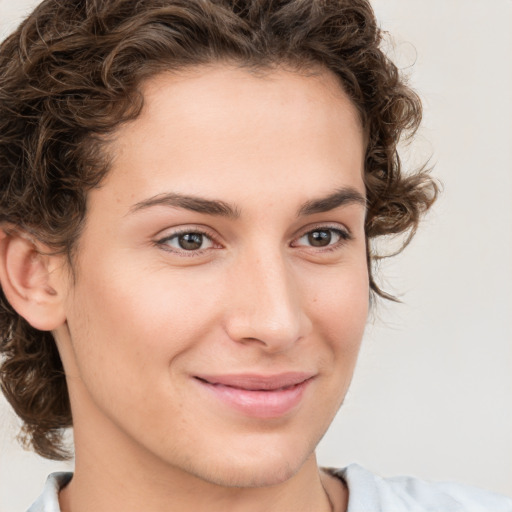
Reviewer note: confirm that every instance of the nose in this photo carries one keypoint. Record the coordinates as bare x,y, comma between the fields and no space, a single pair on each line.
266,307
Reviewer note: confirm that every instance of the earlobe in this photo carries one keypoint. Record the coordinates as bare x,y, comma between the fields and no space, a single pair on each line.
31,280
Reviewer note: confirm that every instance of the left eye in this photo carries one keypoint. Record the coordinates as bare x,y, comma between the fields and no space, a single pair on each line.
322,237
189,241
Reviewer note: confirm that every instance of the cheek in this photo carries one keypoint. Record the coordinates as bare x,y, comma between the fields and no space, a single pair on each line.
126,334
340,315
340,300
138,317
339,310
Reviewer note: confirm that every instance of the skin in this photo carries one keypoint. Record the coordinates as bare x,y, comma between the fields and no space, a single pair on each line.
145,316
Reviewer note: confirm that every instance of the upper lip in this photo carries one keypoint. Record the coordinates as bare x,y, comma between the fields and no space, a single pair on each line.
253,382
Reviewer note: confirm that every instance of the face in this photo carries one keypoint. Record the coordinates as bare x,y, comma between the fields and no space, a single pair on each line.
222,287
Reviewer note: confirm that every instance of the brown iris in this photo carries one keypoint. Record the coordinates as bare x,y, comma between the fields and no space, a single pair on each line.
319,238
190,241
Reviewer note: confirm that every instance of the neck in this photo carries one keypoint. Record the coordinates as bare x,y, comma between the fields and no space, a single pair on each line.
113,477
107,489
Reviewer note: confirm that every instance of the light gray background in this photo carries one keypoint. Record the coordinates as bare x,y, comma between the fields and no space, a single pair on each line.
432,394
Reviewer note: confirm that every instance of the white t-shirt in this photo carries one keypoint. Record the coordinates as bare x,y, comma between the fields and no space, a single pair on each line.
367,493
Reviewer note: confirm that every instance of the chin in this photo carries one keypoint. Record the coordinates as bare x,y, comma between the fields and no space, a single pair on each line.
262,469
250,476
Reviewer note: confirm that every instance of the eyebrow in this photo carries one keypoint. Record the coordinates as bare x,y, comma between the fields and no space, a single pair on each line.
216,207
340,197
193,203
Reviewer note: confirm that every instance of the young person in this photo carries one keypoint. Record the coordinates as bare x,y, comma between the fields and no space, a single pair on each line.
188,192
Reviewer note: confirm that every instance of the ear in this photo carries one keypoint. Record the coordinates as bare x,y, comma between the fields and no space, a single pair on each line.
32,280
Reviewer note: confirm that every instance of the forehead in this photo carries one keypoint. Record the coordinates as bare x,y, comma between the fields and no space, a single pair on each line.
226,92
220,129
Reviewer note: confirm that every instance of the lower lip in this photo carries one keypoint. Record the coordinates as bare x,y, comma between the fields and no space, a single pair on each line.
257,403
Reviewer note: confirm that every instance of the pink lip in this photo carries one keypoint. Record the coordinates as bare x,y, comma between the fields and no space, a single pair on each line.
258,395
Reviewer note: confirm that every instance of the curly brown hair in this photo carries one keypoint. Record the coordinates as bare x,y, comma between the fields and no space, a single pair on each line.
72,73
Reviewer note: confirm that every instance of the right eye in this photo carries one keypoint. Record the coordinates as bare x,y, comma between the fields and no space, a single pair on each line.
189,241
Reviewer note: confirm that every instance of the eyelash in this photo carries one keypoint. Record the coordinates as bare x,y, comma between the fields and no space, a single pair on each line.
344,236
191,231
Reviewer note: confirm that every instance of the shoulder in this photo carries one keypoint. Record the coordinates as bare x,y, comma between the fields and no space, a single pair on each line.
48,501
371,493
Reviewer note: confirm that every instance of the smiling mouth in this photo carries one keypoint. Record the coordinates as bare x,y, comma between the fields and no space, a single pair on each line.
264,389
257,396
